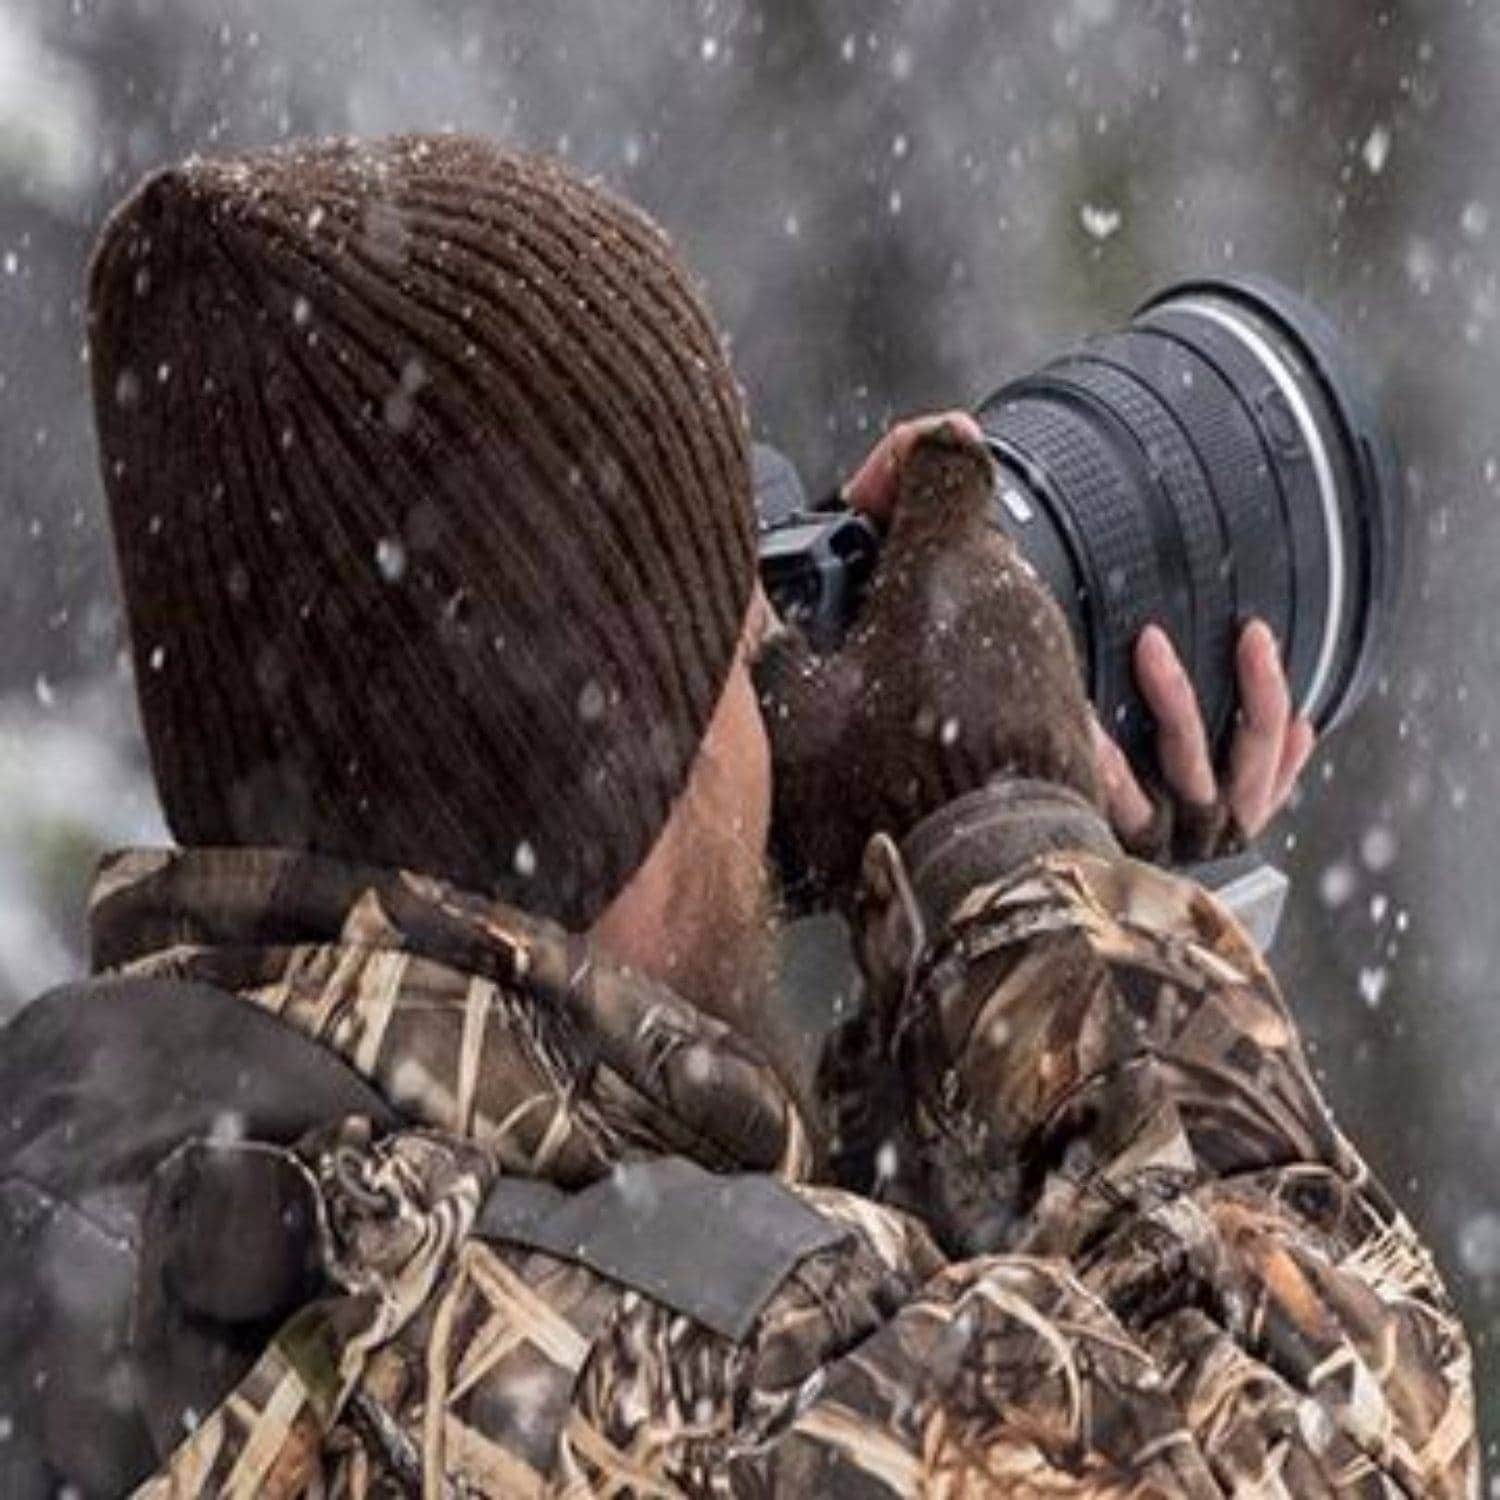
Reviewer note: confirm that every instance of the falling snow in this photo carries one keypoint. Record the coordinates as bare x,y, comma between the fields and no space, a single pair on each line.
390,558
1377,149
1378,848
591,703
1336,884
1100,223
908,212
1479,1245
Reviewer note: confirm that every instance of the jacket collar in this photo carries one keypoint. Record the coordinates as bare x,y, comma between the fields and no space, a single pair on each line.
471,1017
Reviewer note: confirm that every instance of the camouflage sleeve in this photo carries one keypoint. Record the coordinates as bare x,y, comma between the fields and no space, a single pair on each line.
1096,1067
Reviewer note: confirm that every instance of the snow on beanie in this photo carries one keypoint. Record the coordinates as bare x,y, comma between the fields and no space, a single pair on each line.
430,492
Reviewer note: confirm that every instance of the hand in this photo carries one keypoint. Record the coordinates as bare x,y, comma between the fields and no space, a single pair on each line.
1193,817
877,482
960,668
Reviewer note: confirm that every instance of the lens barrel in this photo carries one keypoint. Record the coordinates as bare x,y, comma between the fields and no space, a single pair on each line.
1218,459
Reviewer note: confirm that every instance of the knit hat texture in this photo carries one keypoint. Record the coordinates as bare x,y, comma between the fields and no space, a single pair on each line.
430,492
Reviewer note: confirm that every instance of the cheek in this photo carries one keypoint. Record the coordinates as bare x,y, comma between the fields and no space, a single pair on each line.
761,793
749,760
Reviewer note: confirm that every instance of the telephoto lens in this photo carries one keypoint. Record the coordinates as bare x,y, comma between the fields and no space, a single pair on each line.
1218,459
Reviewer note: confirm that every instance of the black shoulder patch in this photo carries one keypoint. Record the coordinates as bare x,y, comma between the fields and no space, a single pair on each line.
713,1247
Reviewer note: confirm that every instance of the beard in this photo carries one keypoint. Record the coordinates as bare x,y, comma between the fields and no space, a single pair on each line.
729,911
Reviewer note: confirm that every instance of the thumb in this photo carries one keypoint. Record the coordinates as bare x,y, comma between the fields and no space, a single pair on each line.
946,486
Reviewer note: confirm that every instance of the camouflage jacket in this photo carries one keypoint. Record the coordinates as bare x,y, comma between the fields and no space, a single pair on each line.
1132,1254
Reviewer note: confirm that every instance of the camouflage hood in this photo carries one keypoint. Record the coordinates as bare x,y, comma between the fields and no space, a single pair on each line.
468,1016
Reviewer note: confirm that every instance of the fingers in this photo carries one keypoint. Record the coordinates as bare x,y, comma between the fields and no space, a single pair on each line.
875,484
1126,804
1181,742
1268,749
1301,739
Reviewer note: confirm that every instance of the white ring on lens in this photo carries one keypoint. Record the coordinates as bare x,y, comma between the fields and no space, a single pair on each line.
1322,464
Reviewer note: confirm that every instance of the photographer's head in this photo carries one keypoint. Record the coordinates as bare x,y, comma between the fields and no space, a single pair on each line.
430,492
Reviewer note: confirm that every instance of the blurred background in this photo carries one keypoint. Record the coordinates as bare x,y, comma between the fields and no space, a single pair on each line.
894,206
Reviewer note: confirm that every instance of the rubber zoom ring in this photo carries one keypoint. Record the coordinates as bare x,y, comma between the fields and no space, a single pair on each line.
1104,525
1172,464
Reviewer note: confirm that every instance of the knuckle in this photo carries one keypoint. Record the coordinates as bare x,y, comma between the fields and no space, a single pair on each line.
1183,735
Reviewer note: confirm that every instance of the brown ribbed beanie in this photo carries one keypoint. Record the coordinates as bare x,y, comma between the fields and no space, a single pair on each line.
430,492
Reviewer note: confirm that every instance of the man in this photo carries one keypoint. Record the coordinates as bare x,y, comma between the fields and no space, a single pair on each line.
429,1128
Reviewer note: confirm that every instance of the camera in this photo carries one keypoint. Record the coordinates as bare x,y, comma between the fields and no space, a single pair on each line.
1219,458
